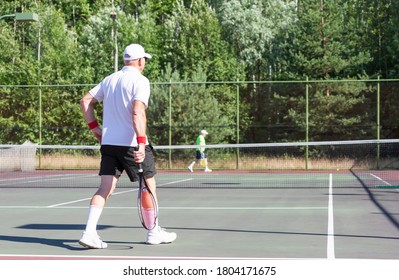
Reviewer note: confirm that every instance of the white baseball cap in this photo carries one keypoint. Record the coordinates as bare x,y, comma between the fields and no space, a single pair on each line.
204,132
135,51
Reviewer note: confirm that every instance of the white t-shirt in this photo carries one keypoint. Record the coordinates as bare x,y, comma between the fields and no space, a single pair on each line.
118,92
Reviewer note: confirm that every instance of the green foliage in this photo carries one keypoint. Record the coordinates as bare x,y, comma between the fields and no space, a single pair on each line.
251,26
333,116
19,116
192,39
378,21
194,106
98,46
199,41
326,42
11,70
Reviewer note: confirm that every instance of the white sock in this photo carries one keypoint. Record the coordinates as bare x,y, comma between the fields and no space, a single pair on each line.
155,229
94,216
148,216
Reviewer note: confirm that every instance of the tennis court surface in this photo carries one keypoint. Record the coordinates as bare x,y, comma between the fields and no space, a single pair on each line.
329,214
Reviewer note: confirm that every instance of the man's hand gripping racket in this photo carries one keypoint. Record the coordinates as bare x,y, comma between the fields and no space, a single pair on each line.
146,203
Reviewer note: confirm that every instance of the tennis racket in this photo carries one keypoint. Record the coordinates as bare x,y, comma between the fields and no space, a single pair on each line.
202,161
146,203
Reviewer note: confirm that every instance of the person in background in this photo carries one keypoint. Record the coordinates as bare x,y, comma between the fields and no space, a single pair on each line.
200,152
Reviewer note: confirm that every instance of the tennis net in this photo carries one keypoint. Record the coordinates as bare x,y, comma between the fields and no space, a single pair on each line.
356,164
325,155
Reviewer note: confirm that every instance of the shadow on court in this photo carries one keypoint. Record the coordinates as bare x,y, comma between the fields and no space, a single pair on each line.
122,245
61,243
280,233
377,202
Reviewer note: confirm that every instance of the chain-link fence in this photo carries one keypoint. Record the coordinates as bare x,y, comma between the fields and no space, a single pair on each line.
232,112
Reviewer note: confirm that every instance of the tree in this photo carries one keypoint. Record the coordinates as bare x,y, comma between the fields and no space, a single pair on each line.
325,41
192,40
378,22
251,27
49,55
326,45
12,70
194,106
98,46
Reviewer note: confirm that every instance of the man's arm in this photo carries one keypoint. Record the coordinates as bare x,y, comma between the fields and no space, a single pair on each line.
140,127
87,104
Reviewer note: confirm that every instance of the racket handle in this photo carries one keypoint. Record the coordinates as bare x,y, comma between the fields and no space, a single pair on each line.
140,165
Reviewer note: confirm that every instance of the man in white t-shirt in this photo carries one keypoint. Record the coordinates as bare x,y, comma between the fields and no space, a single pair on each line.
125,96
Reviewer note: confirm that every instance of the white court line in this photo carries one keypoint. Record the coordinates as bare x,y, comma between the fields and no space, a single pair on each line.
174,208
385,182
138,258
378,178
132,190
243,208
330,238
44,178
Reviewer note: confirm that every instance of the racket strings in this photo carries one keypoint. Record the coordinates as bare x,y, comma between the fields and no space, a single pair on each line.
147,205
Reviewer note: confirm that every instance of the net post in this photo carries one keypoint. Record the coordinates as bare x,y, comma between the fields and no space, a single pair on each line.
307,124
238,122
170,125
378,121
27,154
40,124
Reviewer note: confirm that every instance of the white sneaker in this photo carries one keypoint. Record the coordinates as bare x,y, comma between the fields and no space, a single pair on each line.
159,235
92,241
207,170
190,168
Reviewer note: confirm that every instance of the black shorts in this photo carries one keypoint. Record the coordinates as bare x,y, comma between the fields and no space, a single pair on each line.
116,159
198,155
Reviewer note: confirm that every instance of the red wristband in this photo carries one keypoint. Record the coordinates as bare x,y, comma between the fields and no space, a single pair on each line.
141,140
93,124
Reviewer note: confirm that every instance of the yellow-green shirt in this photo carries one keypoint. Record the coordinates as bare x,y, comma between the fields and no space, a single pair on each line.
200,141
